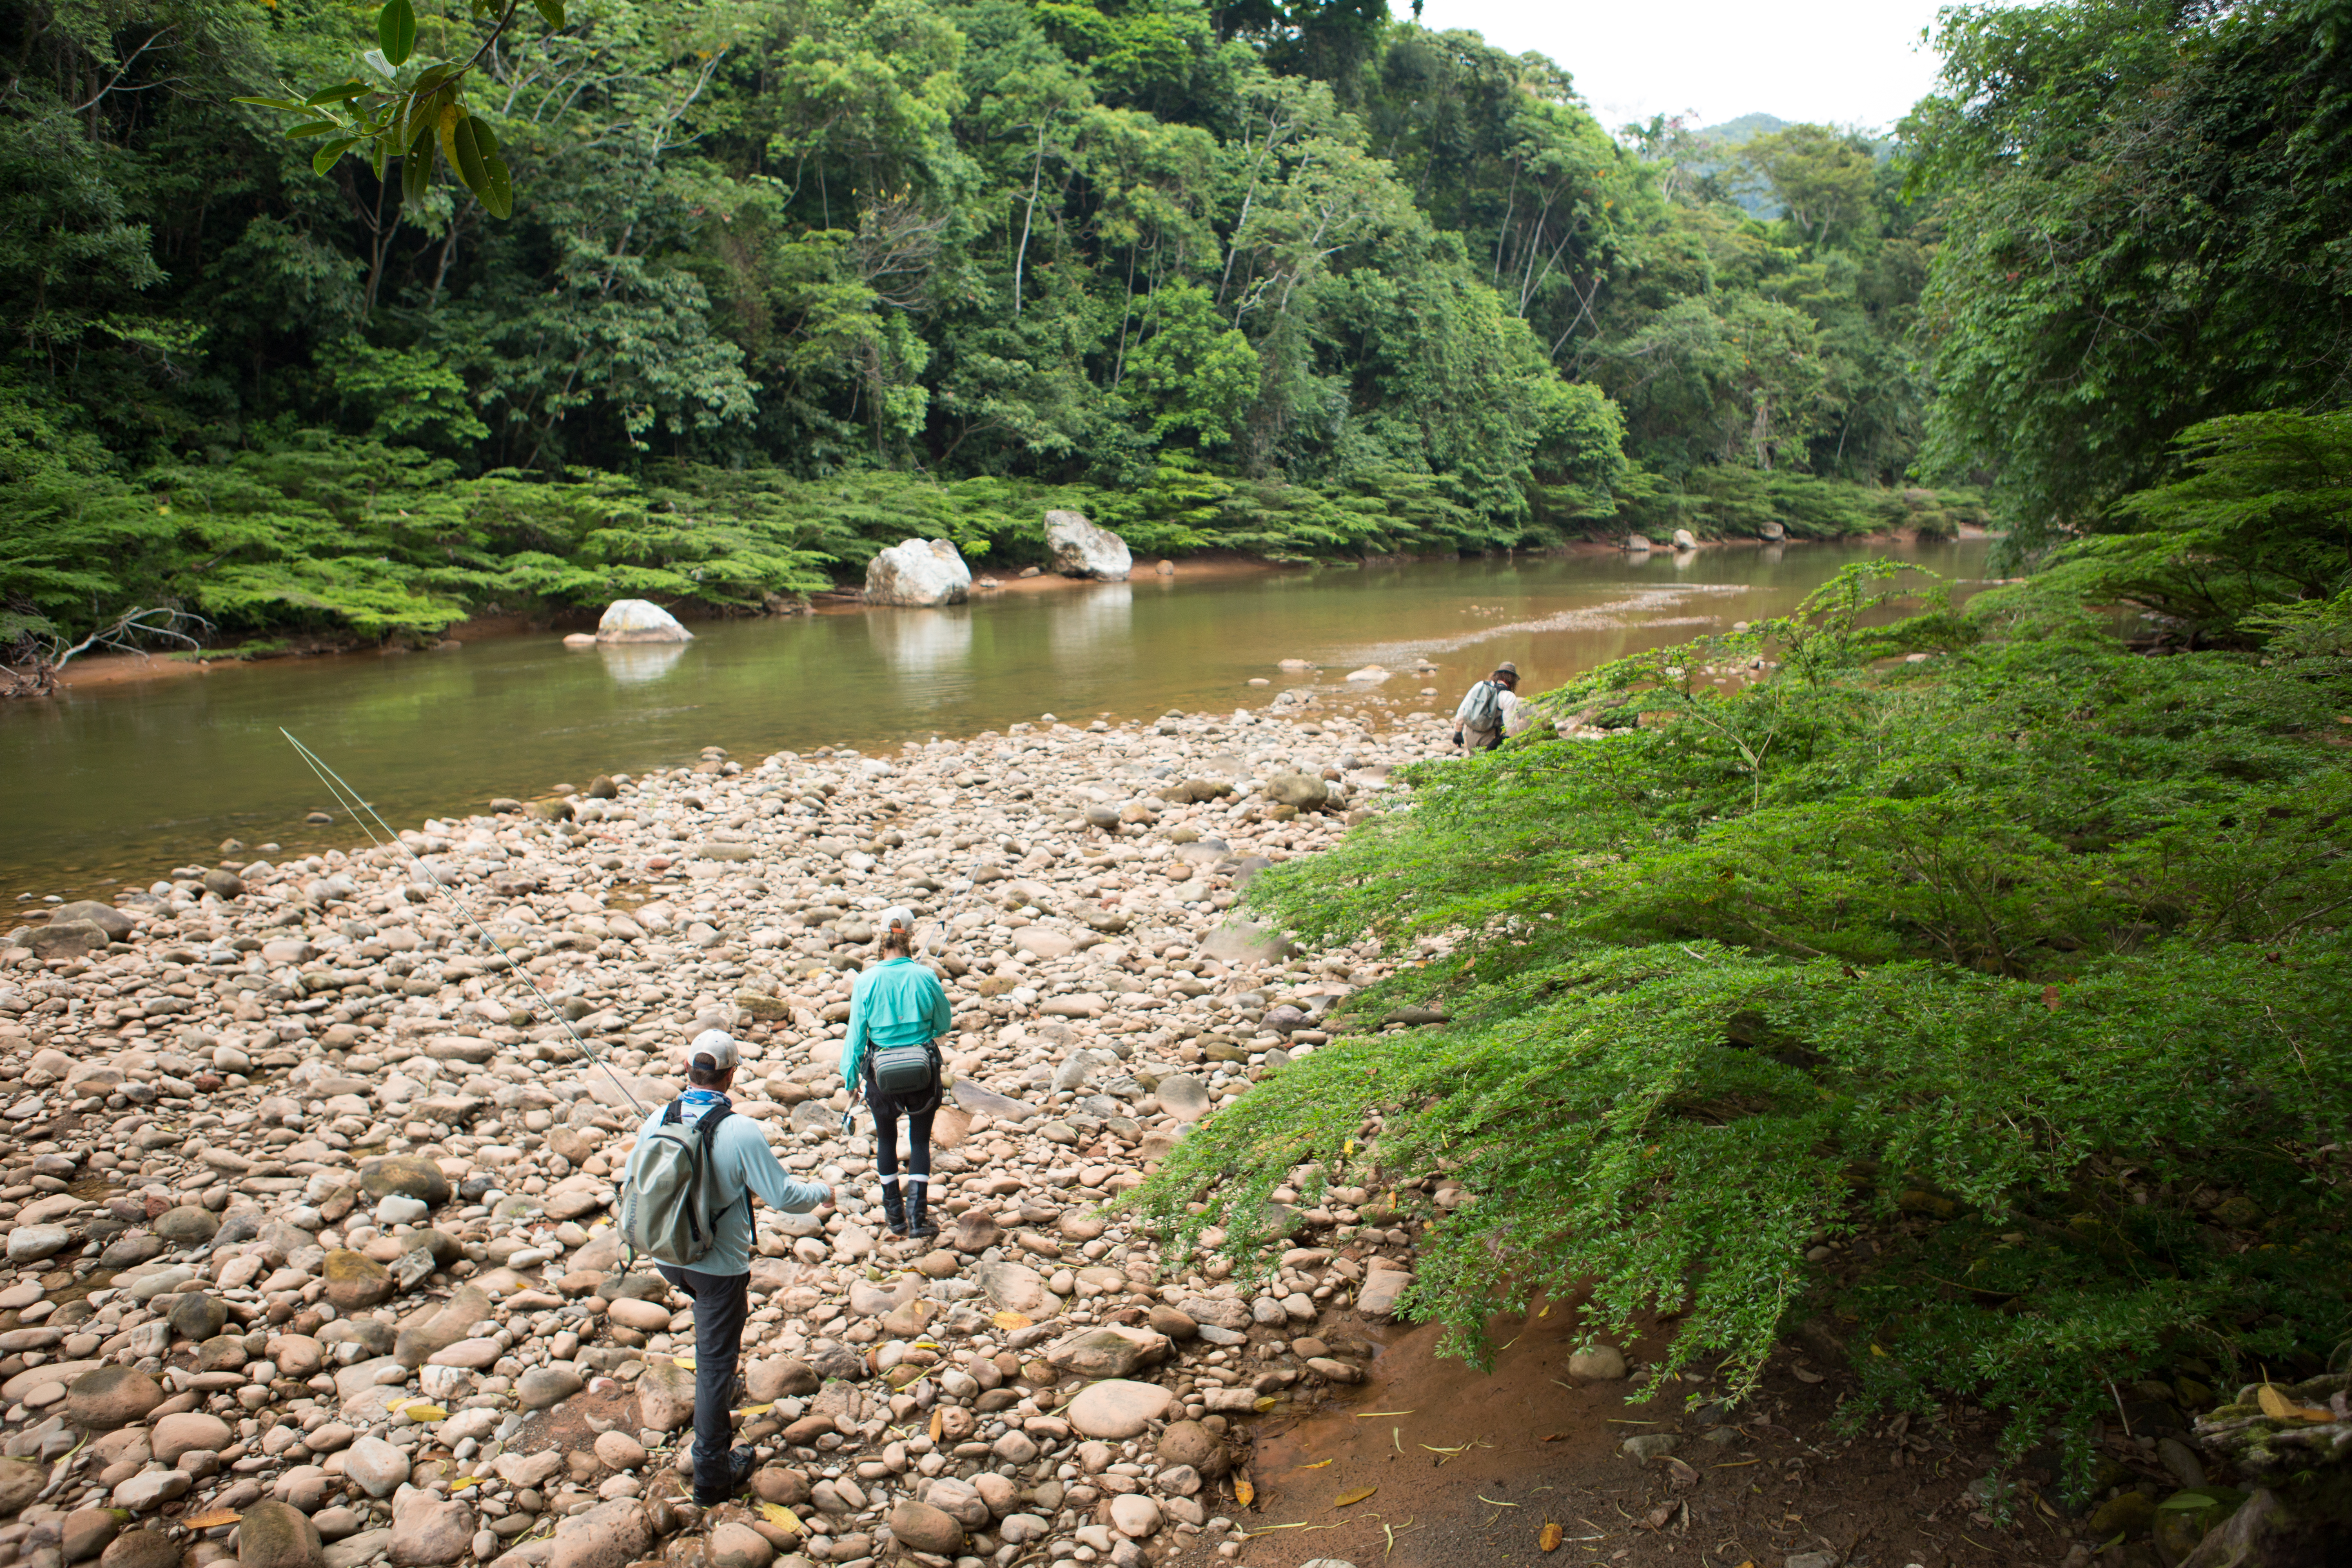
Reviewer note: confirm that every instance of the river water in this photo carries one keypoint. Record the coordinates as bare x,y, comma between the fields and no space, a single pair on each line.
129,781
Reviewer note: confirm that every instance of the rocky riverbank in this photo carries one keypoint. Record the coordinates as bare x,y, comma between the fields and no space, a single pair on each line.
307,1202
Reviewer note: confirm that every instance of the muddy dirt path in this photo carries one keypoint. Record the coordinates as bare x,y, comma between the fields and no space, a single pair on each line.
1453,1468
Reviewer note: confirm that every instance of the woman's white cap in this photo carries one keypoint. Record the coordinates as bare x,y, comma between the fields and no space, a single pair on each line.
897,918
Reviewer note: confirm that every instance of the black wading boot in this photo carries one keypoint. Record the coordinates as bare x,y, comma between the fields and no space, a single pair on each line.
894,1209
922,1224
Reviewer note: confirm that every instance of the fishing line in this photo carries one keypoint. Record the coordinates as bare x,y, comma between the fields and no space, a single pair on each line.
349,799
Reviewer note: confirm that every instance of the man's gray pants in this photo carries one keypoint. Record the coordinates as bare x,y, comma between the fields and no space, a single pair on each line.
720,1302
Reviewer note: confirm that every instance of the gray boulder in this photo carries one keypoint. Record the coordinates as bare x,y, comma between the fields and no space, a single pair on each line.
105,917
1082,549
638,620
920,573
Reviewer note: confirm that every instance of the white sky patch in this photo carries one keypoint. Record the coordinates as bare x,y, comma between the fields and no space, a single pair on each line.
1842,62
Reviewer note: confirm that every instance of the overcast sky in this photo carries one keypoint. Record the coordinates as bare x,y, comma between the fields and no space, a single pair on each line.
1847,62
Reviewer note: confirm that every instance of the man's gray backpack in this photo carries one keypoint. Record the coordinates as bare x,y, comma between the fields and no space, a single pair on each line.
665,1211
1485,707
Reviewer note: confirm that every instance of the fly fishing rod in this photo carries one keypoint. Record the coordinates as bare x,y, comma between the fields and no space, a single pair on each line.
350,800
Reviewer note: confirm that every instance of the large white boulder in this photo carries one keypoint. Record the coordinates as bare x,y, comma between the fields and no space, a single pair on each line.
1082,549
636,620
921,572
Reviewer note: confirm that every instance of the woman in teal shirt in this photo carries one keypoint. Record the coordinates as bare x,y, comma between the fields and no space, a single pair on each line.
897,1003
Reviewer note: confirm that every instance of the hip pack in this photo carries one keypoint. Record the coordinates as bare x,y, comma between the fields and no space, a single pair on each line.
904,1072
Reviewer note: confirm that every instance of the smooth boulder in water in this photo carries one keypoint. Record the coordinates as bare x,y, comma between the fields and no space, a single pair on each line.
639,620
919,574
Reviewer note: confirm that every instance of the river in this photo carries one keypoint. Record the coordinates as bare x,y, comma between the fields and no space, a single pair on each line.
129,779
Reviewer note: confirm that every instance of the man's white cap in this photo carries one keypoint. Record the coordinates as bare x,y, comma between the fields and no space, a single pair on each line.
713,1051
897,918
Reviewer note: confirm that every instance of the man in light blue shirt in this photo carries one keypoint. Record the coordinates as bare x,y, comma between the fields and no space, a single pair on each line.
741,1163
897,1003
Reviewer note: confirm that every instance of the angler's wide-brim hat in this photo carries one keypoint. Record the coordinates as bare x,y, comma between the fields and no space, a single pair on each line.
1508,668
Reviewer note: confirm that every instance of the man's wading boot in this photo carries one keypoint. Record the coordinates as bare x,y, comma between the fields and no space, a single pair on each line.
740,1463
894,1208
922,1224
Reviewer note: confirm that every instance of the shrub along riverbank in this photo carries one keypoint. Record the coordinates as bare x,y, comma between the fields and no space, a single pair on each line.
1985,1012
342,537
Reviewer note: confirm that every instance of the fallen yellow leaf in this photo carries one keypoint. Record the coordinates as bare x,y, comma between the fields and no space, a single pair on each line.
1550,1537
1244,1493
211,1517
1264,1403
1317,1465
1009,1322
2279,1407
685,1359
1344,1498
783,1517
938,1424
417,1410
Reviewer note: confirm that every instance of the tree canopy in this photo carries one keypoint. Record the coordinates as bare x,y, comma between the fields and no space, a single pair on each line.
1294,279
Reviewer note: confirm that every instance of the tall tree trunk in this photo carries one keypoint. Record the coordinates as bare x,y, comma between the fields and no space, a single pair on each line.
1036,174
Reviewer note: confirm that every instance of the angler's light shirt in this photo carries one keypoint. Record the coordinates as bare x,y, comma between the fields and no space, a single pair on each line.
740,1163
896,1003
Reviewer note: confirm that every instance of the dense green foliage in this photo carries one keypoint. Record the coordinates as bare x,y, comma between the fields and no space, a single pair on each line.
2253,540
2146,221
2025,959
1294,280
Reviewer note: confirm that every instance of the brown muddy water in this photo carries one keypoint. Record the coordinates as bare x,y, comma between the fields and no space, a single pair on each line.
129,781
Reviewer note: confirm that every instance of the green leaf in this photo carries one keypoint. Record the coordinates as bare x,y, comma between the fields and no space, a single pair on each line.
467,153
374,60
395,30
550,12
416,172
324,158
498,198
340,92
315,128
433,77
287,103
379,156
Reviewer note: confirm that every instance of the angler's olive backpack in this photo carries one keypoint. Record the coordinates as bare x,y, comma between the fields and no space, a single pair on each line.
666,1211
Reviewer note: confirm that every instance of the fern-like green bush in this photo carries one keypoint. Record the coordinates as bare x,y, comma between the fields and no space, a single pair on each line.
2026,959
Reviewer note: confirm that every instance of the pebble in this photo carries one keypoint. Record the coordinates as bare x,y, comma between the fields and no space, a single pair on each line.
357,1191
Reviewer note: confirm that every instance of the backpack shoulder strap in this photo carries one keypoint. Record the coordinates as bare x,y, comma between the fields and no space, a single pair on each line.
704,1168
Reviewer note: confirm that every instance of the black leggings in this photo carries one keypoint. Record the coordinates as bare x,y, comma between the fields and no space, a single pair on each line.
886,1111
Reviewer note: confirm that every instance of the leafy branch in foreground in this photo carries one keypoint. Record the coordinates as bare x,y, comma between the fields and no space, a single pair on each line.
2023,960
385,112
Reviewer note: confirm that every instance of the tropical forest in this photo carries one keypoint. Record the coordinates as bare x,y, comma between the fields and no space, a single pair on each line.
1949,983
